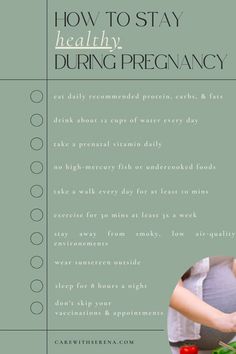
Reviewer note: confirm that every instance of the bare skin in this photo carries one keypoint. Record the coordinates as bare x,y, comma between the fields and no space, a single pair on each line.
234,267
195,309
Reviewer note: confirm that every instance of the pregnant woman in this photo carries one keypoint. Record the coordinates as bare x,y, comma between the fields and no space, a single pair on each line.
203,305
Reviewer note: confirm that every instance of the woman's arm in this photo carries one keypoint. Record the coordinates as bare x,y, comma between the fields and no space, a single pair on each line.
189,305
234,267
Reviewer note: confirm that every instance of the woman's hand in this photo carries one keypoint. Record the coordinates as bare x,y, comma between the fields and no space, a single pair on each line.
199,311
226,322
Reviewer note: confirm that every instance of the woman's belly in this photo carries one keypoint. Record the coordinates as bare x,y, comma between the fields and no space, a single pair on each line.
219,291
219,288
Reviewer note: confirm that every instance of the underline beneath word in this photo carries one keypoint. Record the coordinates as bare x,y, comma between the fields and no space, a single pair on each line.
88,48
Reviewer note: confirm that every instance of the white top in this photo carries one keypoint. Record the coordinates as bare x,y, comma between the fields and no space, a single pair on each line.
181,328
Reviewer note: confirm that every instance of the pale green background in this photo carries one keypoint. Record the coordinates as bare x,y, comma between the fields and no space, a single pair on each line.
207,27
